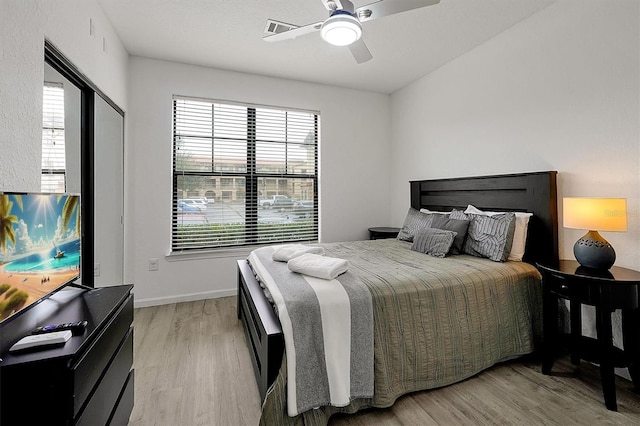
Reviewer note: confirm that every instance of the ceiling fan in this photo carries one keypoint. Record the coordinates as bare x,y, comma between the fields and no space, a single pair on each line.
343,27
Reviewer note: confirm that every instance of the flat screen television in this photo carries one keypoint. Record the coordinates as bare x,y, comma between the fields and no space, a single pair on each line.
39,247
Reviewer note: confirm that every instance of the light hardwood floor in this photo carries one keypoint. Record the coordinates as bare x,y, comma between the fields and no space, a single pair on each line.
193,368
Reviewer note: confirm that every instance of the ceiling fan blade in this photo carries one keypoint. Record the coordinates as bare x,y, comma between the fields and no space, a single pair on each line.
360,51
383,8
294,33
332,4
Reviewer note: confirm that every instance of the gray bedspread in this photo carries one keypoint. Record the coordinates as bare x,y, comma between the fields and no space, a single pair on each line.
436,321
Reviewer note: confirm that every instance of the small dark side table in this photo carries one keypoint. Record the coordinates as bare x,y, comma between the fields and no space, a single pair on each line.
609,290
381,232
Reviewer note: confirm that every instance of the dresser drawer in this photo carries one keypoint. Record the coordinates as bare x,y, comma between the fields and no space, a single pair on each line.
124,405
88,369
104,398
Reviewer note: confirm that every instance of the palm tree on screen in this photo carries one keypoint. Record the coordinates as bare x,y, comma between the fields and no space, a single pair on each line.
70,207
7,220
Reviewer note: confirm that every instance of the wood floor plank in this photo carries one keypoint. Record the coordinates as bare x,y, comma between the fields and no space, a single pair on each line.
192,367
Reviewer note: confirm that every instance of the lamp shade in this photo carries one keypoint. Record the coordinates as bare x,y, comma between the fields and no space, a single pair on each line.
598,214
595,214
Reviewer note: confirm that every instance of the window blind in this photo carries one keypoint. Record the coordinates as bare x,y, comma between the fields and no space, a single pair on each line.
53,139
242,174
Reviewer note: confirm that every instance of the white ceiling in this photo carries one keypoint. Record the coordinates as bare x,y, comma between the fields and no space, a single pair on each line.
227,34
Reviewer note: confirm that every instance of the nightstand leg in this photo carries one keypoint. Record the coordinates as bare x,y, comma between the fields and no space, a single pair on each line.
576,331
550,329
605,342
630,327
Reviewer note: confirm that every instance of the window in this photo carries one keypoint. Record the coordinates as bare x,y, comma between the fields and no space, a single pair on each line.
53,152
253,167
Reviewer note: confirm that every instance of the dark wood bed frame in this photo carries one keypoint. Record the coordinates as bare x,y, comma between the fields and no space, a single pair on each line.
527,192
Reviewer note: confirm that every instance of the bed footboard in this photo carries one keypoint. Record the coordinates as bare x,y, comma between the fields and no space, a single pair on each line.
262,328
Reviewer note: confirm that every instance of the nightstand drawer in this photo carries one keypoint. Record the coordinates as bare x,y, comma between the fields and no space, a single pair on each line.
572,289
621,296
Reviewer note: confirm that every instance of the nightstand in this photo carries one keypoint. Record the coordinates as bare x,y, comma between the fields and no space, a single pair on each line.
609,290
381,232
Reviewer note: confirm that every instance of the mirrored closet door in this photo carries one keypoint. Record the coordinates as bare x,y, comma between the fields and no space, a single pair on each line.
83,152
108,184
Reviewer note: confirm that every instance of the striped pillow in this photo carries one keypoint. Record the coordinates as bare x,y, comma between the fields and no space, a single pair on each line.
432,241
413,223
490,236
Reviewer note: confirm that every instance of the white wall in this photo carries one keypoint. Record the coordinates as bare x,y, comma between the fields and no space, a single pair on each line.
559,91
24,25
354,164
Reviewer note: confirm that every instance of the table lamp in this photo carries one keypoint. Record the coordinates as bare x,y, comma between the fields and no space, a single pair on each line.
595,214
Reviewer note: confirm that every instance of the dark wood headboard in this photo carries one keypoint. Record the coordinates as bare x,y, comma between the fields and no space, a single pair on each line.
525,192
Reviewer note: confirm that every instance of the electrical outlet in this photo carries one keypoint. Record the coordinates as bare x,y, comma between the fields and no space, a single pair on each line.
96,270
153,264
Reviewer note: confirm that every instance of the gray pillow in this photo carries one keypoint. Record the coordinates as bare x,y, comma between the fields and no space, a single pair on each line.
432,241
412,223
456,225
490,236
459,214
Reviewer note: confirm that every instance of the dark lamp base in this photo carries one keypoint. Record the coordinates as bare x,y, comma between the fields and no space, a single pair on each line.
593,251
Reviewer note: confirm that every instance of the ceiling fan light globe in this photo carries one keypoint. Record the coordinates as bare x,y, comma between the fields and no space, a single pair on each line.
341,30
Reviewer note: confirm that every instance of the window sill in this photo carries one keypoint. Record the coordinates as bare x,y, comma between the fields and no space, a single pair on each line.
227,252
222,253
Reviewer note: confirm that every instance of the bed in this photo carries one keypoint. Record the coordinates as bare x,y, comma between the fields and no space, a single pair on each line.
527,192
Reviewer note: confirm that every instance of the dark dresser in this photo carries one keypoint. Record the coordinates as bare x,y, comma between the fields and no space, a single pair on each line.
89,380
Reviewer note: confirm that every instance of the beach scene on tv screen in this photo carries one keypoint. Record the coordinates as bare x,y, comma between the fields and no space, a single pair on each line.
39,247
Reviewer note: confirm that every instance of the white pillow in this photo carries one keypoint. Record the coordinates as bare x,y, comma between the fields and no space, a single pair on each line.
519,235
427,211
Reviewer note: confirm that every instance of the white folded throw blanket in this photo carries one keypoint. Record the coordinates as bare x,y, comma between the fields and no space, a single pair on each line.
327,268
288,251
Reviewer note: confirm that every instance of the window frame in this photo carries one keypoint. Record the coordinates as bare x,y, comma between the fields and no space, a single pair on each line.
251,176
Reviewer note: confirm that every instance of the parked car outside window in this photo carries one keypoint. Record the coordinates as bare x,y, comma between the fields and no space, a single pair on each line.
303,208
186,208
198,203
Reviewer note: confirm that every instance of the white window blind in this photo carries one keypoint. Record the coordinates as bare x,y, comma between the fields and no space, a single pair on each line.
53,142
242,174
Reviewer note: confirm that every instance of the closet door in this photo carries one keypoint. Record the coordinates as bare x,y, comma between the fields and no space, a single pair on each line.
108,195
95,157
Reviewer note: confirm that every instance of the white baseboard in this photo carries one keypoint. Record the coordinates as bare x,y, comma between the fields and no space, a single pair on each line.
155,301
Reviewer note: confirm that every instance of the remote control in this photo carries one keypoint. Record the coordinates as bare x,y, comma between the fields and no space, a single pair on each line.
76,328
40,340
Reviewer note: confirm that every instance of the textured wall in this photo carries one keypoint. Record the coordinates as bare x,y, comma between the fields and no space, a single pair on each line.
20,97
24,25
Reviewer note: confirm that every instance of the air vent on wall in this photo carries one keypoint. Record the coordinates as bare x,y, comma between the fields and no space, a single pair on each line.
277,27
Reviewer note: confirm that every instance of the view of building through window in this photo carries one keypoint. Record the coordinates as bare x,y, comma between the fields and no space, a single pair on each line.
53,139
242,174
